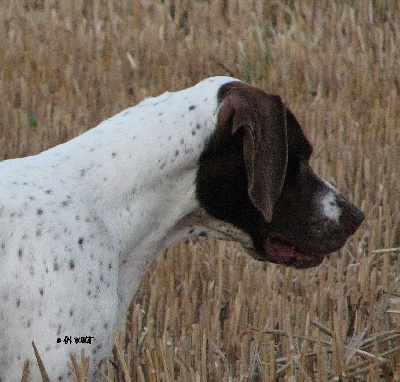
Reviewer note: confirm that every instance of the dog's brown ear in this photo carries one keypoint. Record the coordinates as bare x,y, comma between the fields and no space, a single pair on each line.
265,147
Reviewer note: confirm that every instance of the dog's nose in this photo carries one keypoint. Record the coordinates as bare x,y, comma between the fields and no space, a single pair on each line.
359,217
351,217
354,218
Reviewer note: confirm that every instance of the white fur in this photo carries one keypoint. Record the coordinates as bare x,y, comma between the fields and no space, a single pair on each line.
81,222
329,203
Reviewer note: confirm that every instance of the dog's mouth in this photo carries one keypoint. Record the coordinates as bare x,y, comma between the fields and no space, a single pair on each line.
279,249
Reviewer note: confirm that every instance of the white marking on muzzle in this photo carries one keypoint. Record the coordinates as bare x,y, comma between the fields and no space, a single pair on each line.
330,207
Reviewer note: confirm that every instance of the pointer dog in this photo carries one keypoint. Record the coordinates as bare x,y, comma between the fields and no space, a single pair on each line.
81,222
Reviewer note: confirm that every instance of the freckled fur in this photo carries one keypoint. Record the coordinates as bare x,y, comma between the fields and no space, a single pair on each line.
81,222
45,246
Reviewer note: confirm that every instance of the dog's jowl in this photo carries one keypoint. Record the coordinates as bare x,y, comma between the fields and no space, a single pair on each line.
81,222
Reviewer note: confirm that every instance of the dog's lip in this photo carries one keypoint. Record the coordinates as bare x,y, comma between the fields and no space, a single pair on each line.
279,249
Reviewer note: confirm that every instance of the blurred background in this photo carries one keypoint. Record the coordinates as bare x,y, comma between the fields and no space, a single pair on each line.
206,311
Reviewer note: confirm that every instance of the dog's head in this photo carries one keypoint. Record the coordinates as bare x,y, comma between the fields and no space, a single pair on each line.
255,175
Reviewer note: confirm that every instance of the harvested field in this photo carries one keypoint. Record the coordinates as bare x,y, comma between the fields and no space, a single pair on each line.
218,315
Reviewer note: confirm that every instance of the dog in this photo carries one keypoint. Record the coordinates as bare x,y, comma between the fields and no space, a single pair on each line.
81,222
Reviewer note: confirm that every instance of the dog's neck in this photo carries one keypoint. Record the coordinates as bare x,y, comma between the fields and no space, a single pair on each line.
138,172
